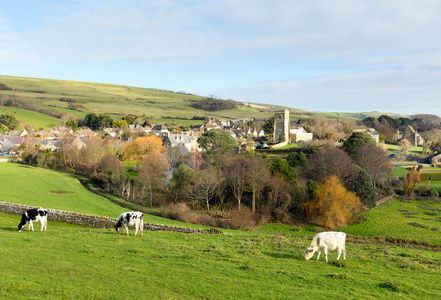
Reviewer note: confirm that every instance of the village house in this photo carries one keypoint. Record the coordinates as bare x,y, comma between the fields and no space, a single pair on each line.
186,143
19,133
300,135
160,130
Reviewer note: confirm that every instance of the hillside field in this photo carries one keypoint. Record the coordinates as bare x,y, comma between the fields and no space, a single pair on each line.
159,106
73,262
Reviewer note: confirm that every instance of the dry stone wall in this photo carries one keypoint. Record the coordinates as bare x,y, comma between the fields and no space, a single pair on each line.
94,221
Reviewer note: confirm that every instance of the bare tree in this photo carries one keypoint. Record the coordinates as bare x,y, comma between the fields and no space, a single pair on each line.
257,175
151,167
236,176
405,146
374,160
330,160
207,186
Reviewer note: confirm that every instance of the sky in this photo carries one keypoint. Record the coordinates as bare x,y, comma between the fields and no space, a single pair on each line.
321,55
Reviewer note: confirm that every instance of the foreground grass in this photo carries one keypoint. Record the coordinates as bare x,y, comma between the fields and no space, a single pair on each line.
72,262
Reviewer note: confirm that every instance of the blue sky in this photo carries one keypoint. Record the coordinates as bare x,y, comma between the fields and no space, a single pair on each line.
322,55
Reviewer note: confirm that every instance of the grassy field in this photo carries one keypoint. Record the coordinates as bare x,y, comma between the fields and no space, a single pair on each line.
413,220
30,117
73,262
119,100
116,100
49,189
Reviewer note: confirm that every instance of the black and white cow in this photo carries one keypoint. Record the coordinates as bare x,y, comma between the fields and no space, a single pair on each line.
33,215
130,219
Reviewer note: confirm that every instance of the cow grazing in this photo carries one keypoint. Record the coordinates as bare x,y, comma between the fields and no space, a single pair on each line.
33,215
130,219
325,241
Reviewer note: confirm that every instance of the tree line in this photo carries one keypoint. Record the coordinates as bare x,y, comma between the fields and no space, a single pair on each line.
325,184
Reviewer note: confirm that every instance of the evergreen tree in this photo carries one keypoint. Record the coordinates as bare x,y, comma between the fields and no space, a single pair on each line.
362,186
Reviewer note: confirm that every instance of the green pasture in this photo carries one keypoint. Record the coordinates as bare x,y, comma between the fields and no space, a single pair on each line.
395,149
116,100
413,220
72,262
49,189
30,117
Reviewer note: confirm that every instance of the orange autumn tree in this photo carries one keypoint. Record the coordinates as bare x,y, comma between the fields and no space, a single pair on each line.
332,205
142,146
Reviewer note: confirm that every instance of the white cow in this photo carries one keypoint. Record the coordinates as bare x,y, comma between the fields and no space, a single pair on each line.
130,219
325,241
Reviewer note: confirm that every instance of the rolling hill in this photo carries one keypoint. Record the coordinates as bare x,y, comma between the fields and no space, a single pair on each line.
159,106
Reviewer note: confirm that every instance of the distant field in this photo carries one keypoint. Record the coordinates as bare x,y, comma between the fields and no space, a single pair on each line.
157,105
115,100
415,220
29,117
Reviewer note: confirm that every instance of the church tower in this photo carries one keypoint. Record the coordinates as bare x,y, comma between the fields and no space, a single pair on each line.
281,126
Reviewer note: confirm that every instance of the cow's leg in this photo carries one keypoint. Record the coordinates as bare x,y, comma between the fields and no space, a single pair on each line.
43,225
318,255
326,254
344,252
127,229
136,228
30,226
142,226
339,253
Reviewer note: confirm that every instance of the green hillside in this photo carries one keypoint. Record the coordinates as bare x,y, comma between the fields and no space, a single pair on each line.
117,100
50,189
28,117
114,100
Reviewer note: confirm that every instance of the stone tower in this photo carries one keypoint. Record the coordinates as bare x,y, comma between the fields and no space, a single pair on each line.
281,126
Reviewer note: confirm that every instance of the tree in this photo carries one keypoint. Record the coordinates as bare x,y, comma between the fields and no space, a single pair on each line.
405,146
357,139
141,146
332,205
374,160
283,169
152,166
362,186
257,174
112,169
236,176
207,186
268,126
410,180
330,160
72,124
9,121
91,121
218,142
296,159
184,179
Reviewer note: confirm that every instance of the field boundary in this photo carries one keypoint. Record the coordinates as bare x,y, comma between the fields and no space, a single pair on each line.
95,221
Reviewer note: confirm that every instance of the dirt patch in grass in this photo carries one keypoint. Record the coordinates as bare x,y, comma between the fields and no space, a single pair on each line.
60,192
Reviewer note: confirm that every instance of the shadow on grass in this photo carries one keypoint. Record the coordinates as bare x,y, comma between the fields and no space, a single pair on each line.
283,255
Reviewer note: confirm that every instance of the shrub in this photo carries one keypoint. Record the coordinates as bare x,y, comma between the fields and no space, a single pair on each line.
241,218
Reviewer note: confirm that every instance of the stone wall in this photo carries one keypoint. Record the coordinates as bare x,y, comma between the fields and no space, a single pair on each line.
94,221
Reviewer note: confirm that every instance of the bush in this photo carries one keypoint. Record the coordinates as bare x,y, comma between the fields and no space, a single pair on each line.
241,219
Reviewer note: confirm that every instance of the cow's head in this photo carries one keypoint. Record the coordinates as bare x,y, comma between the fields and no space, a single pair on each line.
309,252
20,227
